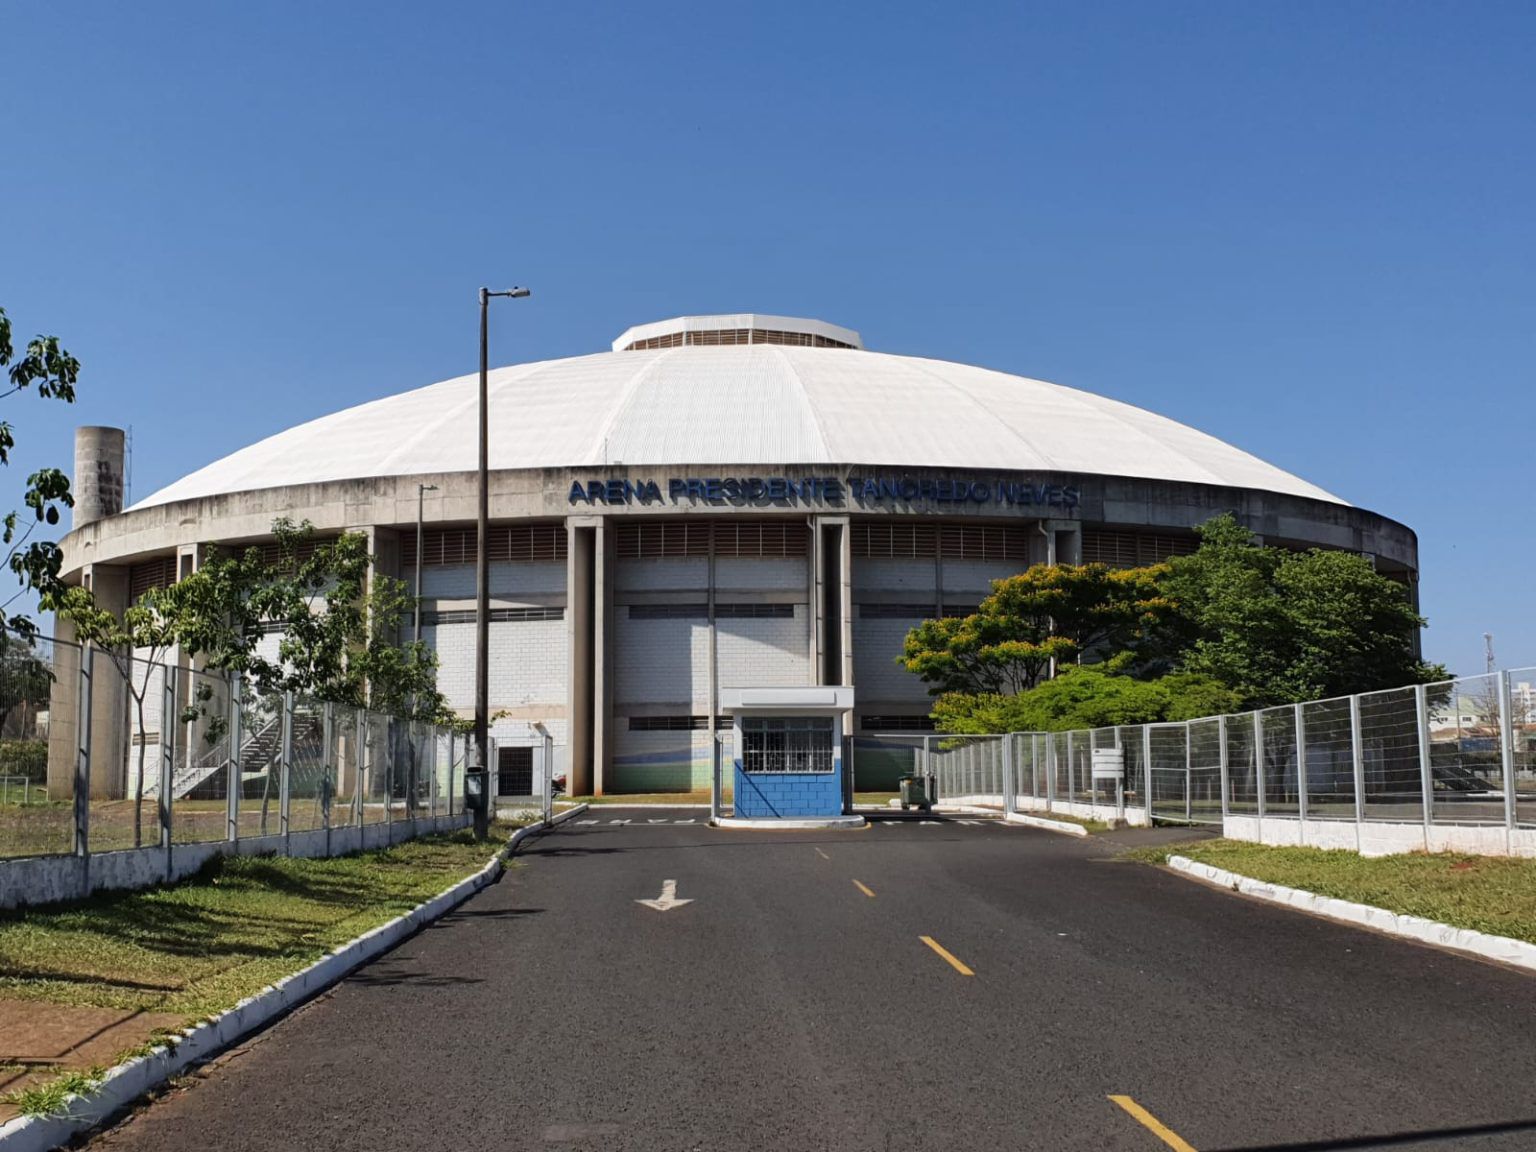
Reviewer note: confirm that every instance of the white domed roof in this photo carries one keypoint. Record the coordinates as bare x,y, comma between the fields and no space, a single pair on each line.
741,404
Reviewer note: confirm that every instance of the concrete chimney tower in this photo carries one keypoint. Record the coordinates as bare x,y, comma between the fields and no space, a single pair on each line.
98,488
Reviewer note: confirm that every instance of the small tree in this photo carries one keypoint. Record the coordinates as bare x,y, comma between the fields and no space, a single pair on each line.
1047,613
1279,626
336,630
149,626
1086,697
52,372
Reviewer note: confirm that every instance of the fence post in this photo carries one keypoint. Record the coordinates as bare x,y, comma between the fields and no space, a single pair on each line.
1008,769
1426,770
232,784
167,757
1258,766
1071,769
331,770
1301,771
1357,751
1224,765
432,771
83,758
1507,749
549,769
452,740
1189,773
1146,767
285,775
1050,771
928,772
364,779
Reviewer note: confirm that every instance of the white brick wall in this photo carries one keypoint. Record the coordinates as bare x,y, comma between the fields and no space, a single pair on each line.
528,662
662,574
764,653
871,574
659,661
975,577
508,581
733,573
877,678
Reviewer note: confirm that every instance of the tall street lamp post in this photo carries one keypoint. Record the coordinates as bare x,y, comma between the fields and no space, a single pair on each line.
480,751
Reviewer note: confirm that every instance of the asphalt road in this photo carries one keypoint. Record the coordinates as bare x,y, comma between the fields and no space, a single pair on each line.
786,1008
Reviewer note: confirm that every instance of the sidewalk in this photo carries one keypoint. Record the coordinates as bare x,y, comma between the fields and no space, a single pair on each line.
39,1040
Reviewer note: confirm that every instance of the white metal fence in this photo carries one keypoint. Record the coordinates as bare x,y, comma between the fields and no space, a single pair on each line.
1456,754
152,755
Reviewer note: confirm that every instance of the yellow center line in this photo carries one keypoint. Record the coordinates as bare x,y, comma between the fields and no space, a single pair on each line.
863,889
1152,1124
822,854
944,952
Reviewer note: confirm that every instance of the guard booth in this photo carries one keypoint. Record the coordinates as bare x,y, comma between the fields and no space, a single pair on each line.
787,755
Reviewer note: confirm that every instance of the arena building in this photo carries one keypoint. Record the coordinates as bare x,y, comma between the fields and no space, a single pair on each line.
718,502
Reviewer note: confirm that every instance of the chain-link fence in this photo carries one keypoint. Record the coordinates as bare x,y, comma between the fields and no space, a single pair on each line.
1461,753
105,751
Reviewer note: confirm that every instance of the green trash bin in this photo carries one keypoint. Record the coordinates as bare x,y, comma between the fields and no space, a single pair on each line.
914,793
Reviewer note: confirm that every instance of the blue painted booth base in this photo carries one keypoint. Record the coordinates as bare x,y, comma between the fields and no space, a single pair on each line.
789,794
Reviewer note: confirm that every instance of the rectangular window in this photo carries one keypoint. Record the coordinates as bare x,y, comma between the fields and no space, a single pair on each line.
698,611
896,723
498,615
675,723
787,744
515,543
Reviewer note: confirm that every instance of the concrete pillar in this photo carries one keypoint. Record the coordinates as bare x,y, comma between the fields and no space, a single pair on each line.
579,611
62,703
832,549
110,701
1067,541
98,486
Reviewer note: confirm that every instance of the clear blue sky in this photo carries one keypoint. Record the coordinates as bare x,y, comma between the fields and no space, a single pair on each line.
1307,228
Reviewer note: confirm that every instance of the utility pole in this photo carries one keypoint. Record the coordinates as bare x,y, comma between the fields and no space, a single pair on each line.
480,748
1488,651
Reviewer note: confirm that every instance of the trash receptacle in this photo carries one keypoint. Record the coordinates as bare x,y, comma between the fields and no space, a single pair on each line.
914,793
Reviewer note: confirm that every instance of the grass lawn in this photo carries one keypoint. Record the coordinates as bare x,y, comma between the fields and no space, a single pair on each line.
1080,821
1493,894
199,946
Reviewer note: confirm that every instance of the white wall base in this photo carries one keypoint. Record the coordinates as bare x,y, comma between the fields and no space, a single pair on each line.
1380,838
1046,823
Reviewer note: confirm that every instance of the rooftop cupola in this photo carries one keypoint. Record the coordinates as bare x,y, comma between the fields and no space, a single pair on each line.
736,328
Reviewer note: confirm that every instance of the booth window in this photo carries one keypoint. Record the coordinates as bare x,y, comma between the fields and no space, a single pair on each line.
787,743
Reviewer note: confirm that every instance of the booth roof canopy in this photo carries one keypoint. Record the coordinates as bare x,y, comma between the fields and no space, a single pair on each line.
748,404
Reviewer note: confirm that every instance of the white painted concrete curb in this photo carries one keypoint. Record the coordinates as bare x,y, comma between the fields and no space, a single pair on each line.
1049,825
131,1079
786,824
1501,948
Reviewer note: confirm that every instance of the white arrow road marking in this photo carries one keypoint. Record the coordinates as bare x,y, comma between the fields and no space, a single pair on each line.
688,821
972,823
618,821
668,899
586,821
930,821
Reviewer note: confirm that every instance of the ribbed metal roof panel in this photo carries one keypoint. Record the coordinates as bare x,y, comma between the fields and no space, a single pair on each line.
757,404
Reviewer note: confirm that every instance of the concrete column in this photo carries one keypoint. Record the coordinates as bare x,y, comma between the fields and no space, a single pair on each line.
110,701
602,696
63,700
1066,541
579,612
